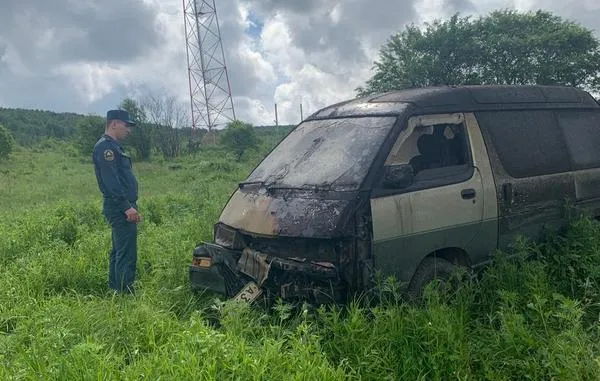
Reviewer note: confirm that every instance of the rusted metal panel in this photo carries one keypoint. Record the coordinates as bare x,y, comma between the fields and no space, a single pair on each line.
254,264
250,212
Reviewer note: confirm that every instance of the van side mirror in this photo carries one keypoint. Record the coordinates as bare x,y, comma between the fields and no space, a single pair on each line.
398,176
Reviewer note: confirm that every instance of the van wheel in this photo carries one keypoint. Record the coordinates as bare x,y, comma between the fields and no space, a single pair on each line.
431,268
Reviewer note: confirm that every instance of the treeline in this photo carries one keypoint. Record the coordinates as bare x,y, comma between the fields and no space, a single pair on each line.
163,130
30,127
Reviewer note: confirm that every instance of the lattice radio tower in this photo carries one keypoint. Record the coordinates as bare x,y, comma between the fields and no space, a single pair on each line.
210,90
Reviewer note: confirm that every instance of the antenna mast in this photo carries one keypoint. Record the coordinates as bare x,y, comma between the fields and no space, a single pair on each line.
210,90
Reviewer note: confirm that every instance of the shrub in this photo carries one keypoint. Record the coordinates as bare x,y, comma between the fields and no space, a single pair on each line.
7,142
239,137
89,130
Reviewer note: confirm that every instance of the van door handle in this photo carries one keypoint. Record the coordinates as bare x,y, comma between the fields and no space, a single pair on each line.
467,193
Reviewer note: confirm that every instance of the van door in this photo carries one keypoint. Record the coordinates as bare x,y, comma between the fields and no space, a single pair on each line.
581,129
532,171
445,207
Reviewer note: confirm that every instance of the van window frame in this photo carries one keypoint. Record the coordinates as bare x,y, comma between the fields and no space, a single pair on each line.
488,136
556,114
560,116
255,178
461,173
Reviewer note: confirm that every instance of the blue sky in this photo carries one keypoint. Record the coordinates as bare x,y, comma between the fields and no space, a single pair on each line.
256,25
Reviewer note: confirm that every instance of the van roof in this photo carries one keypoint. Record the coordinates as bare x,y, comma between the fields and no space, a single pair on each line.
462,98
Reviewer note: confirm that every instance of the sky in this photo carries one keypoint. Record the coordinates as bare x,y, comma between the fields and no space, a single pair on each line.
86,56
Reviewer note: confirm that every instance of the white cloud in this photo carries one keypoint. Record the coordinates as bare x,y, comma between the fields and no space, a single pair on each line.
335,14
13,62
315,52
307,88
244,15
259,65
429,10
277,44
91,81
255,110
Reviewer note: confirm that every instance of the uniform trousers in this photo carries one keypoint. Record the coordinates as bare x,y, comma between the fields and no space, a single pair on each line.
123,255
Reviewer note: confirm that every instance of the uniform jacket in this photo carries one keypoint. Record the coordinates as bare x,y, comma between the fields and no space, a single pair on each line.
114,174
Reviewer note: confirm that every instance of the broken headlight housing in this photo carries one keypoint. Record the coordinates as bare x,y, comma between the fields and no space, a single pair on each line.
228,237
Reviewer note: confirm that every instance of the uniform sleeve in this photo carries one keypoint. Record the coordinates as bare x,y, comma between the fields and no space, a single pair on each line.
106,161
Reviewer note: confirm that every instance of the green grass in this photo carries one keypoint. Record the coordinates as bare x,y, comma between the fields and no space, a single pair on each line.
521,319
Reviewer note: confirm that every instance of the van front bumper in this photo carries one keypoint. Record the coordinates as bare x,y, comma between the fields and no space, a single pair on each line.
215,268
227,272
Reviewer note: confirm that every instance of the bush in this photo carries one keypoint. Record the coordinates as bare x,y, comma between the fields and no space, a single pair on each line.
239,137
89,130
168,141
140,141
6,142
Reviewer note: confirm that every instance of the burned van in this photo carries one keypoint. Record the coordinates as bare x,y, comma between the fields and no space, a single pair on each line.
410,184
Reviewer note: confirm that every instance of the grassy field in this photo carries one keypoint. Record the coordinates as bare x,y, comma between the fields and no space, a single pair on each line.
521,319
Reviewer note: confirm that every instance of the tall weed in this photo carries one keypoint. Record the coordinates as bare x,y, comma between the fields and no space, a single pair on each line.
533,314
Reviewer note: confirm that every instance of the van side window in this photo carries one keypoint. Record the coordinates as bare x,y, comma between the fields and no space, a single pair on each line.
529,142
581,130
431,147
435,148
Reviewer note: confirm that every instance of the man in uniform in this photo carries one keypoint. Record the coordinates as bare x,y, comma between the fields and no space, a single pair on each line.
119,188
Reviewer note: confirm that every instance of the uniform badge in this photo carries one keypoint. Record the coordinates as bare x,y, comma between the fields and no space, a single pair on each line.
109,155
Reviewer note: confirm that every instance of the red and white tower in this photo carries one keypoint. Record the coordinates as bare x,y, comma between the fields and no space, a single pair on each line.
210,90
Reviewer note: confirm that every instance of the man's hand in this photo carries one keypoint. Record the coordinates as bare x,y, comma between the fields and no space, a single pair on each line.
133,215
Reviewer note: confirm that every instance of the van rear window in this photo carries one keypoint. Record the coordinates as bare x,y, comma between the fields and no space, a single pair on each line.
529,142
582,134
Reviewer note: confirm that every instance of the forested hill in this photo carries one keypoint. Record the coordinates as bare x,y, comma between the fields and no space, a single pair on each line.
31,126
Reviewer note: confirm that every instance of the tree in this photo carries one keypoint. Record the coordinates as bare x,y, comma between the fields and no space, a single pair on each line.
6,142
167,117
239,137
141,138
89,130
135,110
504,47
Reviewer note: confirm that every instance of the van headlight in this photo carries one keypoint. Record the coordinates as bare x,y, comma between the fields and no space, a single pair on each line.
228,237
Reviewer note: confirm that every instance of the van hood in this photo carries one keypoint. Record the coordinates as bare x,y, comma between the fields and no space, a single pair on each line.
293,213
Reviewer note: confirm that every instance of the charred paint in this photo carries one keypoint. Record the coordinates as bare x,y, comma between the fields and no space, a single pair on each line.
285,215
319,244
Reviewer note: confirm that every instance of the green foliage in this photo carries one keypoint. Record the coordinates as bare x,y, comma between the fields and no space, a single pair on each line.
504,47
141,137
136,112
29,127
239,137
168,141
530,315
6,142
573,262
141,141
194,142
89,130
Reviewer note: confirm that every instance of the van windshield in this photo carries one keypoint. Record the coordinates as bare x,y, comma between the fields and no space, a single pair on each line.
327,154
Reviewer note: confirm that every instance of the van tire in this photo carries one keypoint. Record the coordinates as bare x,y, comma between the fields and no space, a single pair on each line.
431,268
